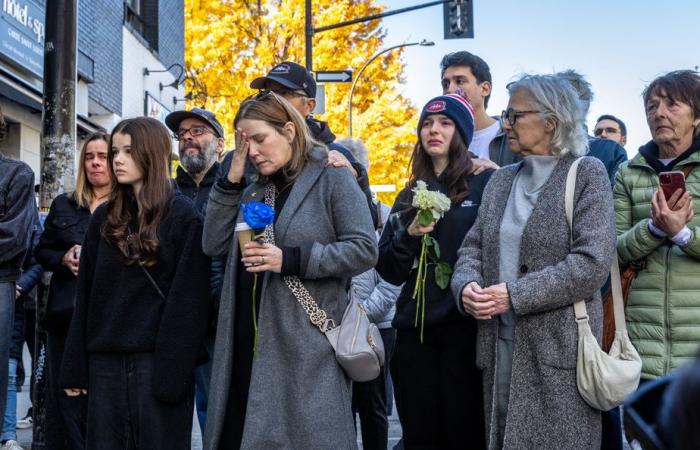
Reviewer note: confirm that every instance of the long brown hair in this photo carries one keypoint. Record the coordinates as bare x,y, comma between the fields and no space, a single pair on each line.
456,174
276,112
83,189
150,149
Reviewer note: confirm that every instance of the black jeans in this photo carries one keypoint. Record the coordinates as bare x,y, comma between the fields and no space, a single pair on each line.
123,414
369,401
66,417
438,388
612,430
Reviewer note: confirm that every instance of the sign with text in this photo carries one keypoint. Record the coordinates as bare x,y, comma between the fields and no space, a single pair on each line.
22,34
336,76
154,108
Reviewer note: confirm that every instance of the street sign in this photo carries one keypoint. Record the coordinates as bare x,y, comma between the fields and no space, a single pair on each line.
336,76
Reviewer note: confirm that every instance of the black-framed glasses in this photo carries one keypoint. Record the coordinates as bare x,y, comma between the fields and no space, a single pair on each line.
194,131
511,115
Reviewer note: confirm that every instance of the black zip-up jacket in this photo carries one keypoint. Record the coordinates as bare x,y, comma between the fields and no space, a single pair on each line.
17,215
64,227
199,194
398,252
118,310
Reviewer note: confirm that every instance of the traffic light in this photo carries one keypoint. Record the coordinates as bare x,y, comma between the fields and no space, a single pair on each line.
459,19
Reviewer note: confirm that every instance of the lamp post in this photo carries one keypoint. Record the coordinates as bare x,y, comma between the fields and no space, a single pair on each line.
422,43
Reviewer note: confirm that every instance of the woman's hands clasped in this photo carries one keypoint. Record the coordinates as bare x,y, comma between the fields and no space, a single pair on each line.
484,303
262,257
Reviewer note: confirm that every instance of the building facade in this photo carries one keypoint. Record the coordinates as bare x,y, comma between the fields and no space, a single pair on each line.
130,56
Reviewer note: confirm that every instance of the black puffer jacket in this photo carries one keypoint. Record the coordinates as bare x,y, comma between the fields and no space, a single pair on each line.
398,251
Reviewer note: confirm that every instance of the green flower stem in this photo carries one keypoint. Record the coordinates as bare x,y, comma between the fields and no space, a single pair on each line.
422,319
417,290
255,319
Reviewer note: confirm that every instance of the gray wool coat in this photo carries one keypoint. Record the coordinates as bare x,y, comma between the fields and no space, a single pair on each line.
545,410
299,397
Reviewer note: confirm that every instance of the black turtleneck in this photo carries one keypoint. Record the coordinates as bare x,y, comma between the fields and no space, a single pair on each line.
650,151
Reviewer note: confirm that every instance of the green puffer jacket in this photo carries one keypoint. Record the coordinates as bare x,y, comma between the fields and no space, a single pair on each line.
663,309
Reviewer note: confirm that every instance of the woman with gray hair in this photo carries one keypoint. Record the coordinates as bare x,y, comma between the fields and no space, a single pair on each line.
521,269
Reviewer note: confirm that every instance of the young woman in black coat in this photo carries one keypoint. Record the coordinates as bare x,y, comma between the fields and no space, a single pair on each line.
59,252
141,303
437,384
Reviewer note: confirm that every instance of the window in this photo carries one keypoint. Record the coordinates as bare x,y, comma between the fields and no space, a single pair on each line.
141,16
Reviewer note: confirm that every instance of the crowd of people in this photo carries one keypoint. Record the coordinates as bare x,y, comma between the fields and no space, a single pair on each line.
158,305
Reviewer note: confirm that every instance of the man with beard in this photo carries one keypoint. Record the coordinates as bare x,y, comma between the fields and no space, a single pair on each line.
200,139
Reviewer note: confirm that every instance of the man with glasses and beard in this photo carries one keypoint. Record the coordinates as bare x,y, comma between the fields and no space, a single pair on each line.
200,139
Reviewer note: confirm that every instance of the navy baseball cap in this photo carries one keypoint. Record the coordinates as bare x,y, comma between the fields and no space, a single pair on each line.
173,119
290,75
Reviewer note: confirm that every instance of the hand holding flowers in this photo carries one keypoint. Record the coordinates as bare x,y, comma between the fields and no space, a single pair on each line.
258,256
431,206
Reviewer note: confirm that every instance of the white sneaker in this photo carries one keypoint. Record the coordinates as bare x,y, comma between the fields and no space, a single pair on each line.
23,424
11,445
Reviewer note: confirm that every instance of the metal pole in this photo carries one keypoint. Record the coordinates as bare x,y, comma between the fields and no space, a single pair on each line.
378,16
309,28
57,142
359,74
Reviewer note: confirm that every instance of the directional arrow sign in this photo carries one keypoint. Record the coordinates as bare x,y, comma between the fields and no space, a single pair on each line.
336,76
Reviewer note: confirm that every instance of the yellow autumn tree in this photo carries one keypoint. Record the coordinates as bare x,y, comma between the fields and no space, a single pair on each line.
228,43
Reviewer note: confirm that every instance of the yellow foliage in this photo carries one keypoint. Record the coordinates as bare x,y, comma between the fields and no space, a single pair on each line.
228,43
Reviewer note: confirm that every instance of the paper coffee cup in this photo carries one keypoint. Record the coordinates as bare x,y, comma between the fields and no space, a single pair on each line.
245,234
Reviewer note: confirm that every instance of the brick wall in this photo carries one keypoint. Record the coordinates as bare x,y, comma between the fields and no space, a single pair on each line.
106,22
171,32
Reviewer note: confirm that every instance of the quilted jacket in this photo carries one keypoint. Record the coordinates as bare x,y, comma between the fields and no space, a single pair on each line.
663,309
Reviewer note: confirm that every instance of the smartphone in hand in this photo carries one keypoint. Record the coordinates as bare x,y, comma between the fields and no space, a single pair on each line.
670,182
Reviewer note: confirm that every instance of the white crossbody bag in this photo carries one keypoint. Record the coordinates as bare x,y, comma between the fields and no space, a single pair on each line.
604,379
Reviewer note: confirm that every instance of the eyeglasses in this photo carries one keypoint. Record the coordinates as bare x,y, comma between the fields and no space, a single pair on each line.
511,115
608,130
287,93
194,131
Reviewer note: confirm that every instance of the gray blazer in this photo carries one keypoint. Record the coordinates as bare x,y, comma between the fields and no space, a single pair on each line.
299,397
545,409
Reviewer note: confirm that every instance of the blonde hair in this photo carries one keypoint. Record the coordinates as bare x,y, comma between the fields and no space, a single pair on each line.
83,189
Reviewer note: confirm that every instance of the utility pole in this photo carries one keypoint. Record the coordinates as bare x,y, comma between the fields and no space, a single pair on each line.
57,156
58,119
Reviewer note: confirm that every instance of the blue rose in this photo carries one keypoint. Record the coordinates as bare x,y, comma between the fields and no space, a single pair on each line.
258,215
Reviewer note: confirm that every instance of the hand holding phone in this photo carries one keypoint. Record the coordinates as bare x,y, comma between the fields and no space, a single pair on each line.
670,182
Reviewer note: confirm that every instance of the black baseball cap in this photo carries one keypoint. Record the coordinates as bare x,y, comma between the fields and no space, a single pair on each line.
290,75
173,119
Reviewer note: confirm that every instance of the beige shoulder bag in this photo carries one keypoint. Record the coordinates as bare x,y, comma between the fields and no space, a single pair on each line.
603,379
357,343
